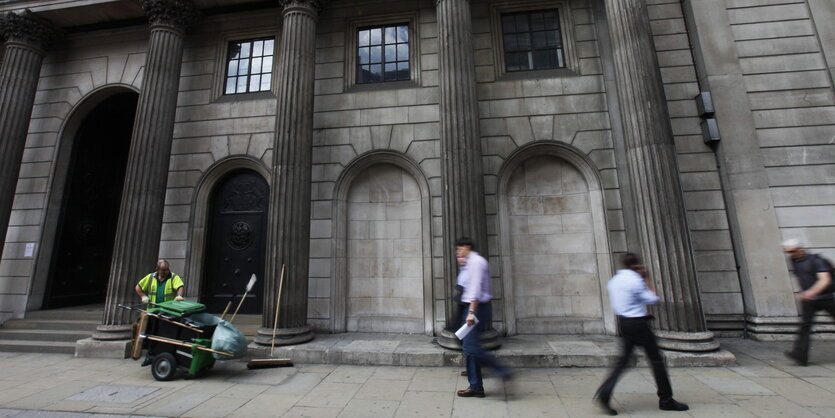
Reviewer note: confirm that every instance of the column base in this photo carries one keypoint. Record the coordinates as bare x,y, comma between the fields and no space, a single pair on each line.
284,336
93,348
785,328
697,342
113,332
448,340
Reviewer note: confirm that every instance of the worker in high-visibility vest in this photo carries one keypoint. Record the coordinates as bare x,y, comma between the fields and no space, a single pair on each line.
161,285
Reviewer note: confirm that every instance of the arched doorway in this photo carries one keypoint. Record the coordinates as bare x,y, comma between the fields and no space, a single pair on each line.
80,265
236,243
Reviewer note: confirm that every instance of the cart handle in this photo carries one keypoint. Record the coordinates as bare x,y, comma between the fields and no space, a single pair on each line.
184,344
179,324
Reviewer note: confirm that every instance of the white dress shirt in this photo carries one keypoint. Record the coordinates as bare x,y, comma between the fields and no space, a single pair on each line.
475,277
630,295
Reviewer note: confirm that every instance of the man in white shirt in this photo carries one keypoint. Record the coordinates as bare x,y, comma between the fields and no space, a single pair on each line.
475,278
630,291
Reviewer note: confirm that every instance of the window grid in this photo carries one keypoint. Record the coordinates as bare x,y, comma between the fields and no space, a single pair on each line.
249,66
532,41
383,54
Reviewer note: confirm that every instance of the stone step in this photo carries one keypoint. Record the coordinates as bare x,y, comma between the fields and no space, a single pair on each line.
85,313
25,346
42,335
516,351
52,324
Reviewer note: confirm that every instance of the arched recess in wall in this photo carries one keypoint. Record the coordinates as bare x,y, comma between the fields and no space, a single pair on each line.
382,247
116,103
201,216
554,242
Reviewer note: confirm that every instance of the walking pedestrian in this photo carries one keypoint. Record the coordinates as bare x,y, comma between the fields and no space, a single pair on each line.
814,273
630,291
475,278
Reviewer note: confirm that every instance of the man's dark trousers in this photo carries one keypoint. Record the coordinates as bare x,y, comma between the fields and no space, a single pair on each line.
475,356
637,331
810,308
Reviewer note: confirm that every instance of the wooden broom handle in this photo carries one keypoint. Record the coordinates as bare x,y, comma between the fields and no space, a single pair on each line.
277,305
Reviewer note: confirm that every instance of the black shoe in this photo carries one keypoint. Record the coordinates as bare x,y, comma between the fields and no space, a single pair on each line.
799,359
672,405
604,405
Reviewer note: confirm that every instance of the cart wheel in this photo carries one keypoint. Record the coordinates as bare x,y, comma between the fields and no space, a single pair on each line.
164,367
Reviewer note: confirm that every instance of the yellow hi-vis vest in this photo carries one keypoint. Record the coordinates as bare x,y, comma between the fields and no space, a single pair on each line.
148,284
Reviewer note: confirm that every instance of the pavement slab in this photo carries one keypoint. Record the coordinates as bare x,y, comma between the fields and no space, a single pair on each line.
761,383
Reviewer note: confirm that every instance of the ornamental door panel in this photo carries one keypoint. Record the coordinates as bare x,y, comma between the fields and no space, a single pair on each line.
86,231
236,244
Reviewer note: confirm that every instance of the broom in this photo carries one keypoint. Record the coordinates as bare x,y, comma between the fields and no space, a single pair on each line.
271,362
249,285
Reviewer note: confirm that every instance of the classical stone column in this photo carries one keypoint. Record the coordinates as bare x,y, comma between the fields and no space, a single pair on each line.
462,174
140,219
289,220
656,192
26,39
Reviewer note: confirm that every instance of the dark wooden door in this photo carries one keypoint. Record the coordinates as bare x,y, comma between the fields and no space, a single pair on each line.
90,210
236,244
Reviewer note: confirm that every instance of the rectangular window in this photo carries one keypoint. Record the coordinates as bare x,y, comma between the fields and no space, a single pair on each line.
383,54
532,40
249,66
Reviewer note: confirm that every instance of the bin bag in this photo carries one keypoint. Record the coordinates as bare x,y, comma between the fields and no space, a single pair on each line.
226,337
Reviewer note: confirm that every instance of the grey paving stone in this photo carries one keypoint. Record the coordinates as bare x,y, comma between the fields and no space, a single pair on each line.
113,394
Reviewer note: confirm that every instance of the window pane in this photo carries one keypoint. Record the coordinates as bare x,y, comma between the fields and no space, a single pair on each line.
235,51
257,48
517,61
268,47
403,52
510,43
537,22
402,34
363,55
241,85
508,24
363,38
245,50
522,23
539,40
403,71
376,71
266,79
523,42
376,54
254,83
560,61
391,53
552,20
230,85
391,72
233,67
553,39
267,66
391,35
363,74
243,67
376,36
256,65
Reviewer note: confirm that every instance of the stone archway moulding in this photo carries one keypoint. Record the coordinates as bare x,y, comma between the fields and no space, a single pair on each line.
57,185
339,284
586,167
198,221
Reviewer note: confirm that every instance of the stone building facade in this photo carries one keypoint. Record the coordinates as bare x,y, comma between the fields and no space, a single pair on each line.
246,137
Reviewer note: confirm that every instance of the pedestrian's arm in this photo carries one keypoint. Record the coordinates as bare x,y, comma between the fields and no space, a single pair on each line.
824,279
139,291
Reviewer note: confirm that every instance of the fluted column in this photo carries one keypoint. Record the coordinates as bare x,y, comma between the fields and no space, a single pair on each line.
26,39
140,219
289,219
662,222
462,174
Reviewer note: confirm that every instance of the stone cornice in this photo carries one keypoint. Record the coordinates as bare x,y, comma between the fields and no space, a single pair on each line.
26,27
316,5
177,13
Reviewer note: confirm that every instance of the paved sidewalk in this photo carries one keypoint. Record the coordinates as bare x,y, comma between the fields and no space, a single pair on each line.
763,383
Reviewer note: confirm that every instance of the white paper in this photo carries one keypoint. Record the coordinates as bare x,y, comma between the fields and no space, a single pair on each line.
465,329
29,250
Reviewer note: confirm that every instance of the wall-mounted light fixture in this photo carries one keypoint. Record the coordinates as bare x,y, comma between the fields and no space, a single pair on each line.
710,129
